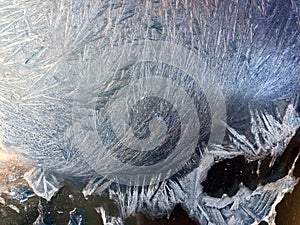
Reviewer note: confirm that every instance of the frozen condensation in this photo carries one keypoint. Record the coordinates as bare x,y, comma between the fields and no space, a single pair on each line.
43,184
109,220
76,218
140,98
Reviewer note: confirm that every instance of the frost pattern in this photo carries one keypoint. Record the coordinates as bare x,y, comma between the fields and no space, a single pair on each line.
251,48
43,184
245,207
109,220
76,218
271,136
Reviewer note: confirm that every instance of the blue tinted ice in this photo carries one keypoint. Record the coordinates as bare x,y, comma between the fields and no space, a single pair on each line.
139,99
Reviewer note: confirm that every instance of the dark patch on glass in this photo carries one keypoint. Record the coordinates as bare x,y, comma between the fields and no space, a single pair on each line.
226,176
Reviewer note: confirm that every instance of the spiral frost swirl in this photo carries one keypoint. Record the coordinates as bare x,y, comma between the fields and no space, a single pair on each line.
143,109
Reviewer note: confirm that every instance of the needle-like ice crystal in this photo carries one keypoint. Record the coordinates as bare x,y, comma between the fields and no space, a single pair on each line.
139,99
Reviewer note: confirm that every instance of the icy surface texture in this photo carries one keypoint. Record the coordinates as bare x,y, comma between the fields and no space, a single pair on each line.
109,220
143,98
43,184
21,193
76,218
42,219
245,207
271,136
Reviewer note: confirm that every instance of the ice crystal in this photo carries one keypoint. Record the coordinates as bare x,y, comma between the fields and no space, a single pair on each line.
142,98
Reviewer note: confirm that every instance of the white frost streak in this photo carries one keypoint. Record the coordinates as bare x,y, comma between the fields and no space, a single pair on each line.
245,207
47,46
271,136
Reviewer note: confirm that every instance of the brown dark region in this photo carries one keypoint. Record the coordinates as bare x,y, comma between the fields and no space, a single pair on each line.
178,216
